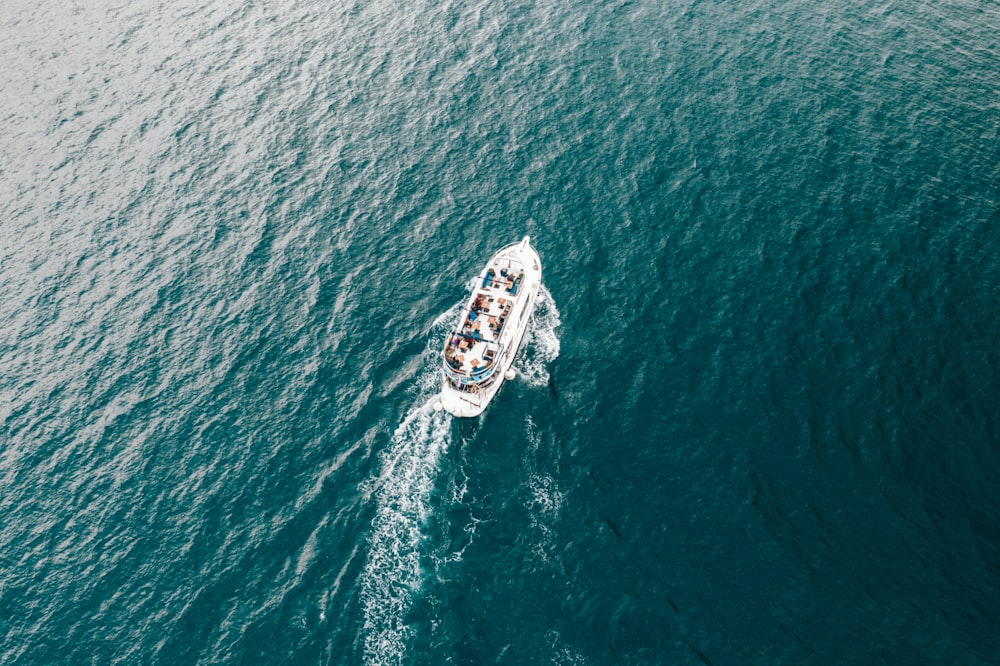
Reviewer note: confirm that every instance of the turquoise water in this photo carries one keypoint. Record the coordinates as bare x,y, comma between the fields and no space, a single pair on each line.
756,420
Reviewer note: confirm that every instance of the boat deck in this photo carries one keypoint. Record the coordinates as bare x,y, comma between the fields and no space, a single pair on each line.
475,345
478,352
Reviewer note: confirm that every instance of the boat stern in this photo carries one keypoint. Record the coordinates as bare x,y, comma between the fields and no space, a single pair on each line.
461,404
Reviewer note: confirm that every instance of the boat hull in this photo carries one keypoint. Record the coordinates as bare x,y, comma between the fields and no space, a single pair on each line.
462,393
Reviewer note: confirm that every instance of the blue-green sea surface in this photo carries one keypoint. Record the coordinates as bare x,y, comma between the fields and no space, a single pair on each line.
757,417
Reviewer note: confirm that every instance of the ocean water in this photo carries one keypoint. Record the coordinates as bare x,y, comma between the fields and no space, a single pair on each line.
757,418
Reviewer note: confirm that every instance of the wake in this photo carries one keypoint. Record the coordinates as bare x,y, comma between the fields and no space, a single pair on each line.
393,574
541,341
393,577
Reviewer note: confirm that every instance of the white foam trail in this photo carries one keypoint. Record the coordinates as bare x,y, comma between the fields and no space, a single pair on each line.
392,575
545,501
563,654
541,341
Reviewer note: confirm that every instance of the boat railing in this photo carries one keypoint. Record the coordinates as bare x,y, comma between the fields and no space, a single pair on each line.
463,383
476,375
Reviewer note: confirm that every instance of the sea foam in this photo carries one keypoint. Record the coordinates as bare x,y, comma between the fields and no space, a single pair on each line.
409,467
541,341
393,575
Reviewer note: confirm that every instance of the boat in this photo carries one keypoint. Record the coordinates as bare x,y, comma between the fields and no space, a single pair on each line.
480,350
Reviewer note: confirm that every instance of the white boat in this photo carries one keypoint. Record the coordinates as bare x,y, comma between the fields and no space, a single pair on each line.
479,352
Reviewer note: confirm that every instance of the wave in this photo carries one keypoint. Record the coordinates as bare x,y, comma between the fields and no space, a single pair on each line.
541,341
393,575
544,500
